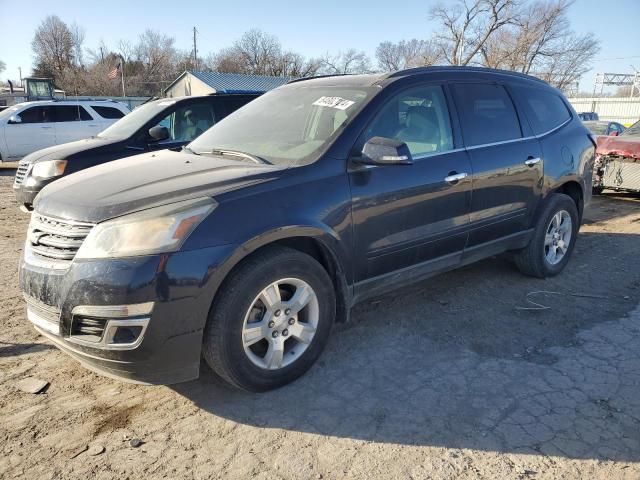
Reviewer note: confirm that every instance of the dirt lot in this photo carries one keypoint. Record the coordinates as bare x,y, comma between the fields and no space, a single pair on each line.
448,379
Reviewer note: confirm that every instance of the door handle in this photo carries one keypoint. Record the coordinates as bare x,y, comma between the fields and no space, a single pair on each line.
530,162
454,178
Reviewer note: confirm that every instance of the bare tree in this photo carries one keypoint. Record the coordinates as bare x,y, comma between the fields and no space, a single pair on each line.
77,38
3,66
156,52
350,61
467,26
541,42
53,46
406,54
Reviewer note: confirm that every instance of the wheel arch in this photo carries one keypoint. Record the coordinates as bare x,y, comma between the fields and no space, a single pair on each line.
573,189
312,241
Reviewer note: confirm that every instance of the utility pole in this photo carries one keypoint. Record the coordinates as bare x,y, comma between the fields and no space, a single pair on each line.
20,71
195,49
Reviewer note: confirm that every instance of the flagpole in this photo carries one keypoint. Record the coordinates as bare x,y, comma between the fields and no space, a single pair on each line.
122,75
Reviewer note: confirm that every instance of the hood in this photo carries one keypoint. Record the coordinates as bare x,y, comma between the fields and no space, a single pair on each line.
65,150
144,181
624,146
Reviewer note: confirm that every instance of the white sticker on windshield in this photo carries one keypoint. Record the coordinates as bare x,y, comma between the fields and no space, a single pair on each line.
334,102
167,102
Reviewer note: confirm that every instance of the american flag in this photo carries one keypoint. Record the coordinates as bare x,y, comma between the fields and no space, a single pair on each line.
113,73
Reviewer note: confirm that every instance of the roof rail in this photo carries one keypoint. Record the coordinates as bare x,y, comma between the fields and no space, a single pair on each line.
444,68
302,79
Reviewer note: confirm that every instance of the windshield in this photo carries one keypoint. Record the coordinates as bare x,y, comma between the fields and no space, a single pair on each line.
633,130
7,112
596,128
130,123
294,124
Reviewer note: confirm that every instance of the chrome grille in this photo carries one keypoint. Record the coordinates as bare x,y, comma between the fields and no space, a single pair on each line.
54,238
21,173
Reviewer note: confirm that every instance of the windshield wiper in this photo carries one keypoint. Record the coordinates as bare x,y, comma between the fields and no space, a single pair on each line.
187,149
235,153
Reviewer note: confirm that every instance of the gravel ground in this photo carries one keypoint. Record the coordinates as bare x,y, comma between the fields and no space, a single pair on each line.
447,379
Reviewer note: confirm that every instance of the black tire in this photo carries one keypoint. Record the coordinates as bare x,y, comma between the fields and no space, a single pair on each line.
597,190
222,347
531,260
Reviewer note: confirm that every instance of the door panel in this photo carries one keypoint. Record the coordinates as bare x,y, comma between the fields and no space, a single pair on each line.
37,131
507,166
406,215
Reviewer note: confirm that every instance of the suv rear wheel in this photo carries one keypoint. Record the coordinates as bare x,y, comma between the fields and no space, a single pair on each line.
271,320
553,238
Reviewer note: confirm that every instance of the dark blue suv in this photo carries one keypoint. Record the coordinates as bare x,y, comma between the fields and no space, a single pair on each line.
246,246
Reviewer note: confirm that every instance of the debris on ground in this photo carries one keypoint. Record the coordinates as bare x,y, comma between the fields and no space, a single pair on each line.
32,385
135,442
95,450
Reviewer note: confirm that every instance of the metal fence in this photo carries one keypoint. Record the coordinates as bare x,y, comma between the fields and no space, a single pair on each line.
622,110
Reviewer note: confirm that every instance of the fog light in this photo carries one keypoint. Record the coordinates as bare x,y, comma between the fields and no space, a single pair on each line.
110,327
126,334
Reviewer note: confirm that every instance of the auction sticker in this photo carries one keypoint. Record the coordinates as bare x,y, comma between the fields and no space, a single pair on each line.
334,102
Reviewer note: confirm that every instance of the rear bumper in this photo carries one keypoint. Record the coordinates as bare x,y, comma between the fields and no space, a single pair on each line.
169,346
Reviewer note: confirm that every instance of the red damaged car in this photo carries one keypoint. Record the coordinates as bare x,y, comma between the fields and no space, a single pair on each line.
618,161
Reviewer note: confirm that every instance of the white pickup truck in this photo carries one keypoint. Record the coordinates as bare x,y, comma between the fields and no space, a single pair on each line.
31,126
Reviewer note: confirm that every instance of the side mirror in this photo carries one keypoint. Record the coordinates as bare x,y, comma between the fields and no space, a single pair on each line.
15,119
614,133
385,151
159,133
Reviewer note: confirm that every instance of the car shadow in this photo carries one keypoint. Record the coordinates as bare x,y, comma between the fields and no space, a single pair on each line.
467,360
16,349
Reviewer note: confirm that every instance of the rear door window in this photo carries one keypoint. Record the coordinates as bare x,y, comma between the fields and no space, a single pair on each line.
487,114
107,112
545,109
71,113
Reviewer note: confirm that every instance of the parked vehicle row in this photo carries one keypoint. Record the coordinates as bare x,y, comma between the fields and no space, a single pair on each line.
32,126
249,243
617,163
605,128
156,125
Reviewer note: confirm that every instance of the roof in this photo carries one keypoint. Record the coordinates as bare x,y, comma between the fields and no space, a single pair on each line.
236,82
377,78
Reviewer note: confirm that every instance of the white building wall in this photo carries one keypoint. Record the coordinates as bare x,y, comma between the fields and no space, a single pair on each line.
622,110
188,86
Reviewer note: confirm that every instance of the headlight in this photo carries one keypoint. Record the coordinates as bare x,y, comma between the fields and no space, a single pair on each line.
49,169
157,230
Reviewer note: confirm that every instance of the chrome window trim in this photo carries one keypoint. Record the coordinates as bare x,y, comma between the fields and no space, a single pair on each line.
503,142
554,128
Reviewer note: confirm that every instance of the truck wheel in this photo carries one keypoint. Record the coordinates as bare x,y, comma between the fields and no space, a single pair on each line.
270,321
553,238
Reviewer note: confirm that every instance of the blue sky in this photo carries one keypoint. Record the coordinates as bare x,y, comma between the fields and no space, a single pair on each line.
311,28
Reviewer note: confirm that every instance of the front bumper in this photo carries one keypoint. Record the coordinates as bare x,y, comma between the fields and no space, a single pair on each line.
174,288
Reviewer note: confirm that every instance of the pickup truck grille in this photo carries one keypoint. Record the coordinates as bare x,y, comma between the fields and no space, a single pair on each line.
21,173
54,238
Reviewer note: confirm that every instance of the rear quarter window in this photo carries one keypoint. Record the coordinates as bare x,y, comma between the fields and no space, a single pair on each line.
545,109
487,113
107,112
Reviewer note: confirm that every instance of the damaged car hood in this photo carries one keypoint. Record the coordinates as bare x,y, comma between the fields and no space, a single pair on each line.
623,146
144,181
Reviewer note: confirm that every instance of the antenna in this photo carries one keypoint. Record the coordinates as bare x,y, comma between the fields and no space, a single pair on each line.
195,49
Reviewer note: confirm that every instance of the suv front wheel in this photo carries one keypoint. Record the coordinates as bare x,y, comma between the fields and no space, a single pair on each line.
270,320
553,239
